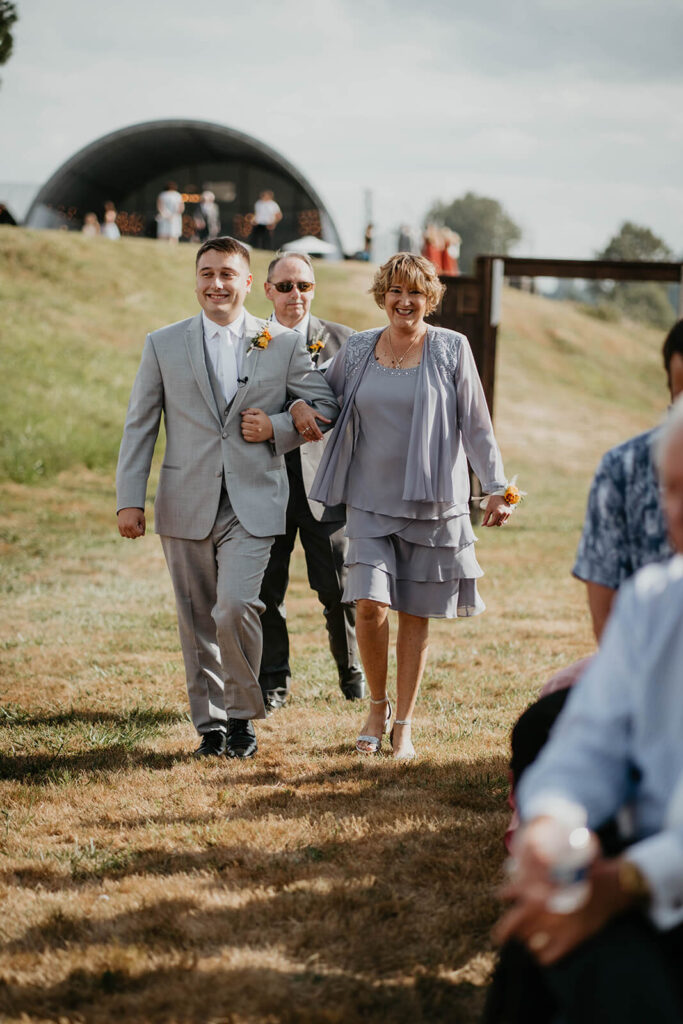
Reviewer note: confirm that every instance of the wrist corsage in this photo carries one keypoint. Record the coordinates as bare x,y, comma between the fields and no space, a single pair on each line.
261,340
510,494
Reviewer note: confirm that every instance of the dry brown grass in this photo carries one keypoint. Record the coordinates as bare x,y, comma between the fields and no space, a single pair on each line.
309,884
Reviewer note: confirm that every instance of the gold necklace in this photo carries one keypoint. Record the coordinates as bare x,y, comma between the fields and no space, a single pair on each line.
395,360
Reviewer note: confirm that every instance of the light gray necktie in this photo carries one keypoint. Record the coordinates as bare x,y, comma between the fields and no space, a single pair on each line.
228,375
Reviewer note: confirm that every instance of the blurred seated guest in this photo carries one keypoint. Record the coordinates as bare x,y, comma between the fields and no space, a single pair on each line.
91,225
615,750
109,226
170,207
432,248
413,412
267,215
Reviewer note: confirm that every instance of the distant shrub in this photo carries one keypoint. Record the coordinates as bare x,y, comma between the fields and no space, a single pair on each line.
603,310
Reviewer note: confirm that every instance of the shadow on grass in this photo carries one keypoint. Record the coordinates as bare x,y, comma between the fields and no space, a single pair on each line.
231,995
11,717
356,911
381,929
56,769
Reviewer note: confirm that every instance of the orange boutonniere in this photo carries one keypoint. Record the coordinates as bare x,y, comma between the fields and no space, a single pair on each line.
317,343
261,340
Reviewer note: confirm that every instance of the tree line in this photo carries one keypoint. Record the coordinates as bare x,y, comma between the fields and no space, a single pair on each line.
486,227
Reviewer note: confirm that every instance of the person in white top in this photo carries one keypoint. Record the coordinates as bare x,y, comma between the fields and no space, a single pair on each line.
615,748
267,215
170,207
109,226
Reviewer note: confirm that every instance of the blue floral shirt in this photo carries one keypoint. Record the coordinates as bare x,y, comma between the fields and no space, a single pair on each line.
624,528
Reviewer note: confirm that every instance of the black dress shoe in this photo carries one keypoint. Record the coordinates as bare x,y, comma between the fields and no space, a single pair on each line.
354,688
241,738
212,743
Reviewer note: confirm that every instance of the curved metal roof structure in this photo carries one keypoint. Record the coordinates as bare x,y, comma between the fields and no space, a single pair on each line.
124,162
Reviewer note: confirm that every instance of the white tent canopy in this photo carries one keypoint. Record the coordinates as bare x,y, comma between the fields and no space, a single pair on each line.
311,245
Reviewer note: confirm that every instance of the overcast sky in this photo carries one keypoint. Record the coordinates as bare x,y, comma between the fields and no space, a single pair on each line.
570,112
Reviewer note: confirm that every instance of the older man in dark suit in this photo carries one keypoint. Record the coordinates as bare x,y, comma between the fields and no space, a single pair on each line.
291,288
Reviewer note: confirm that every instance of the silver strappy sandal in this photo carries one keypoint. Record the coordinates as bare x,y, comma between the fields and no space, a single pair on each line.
375,742
409,754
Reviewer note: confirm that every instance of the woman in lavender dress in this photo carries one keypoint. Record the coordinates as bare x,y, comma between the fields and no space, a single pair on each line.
413,413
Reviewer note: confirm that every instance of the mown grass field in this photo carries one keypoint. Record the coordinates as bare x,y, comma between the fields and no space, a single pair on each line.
309,884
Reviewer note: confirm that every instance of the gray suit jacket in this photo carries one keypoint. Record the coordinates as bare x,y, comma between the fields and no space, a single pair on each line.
334,336
201,449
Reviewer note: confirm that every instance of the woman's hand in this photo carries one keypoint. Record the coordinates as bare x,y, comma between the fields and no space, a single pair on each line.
497,511
304,419
256,425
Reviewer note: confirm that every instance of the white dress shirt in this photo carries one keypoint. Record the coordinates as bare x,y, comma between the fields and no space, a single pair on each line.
225,345
301,328
619,740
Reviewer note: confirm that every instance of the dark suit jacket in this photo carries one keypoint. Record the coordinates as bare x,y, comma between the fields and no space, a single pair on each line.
304,461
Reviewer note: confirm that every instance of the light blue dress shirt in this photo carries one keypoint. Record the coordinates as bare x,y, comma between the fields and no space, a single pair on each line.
619,740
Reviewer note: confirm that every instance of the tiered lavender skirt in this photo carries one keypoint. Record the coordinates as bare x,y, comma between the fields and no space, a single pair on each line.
424,567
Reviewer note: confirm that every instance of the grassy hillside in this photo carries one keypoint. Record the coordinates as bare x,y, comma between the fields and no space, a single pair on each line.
75,314
309,885
76,310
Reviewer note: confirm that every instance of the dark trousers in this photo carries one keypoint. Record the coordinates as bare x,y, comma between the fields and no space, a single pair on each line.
324,546
261,236
629,973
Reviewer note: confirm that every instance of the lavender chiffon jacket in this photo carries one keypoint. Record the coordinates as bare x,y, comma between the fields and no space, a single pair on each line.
450,424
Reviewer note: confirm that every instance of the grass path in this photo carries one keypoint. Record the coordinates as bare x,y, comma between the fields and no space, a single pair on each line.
309,885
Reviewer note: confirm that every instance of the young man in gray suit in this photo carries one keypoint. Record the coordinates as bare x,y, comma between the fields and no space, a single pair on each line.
291,288
221,380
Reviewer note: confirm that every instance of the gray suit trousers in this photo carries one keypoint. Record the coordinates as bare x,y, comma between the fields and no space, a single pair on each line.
216,583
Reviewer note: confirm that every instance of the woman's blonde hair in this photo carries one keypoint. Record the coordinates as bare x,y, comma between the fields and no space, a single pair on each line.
414,271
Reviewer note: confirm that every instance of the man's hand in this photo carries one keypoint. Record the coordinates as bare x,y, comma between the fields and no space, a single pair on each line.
548,935
497,511
256,425
132,522
304,419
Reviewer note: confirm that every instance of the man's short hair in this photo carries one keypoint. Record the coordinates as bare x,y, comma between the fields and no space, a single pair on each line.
673,344
284,255
224,243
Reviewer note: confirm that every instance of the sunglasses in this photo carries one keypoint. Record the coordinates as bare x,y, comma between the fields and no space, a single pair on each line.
286,286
